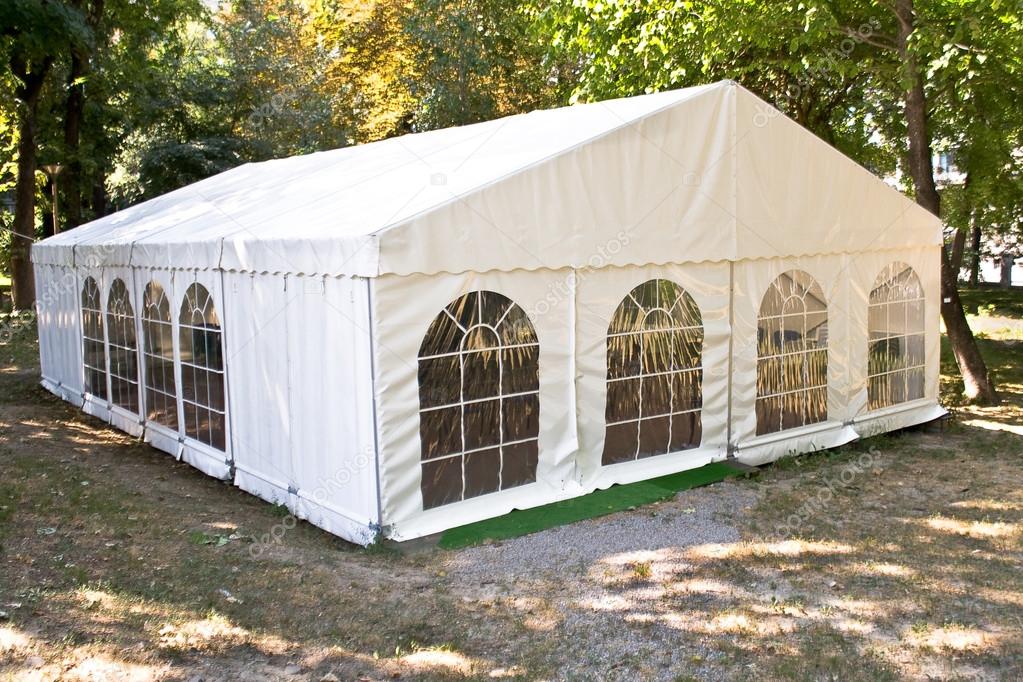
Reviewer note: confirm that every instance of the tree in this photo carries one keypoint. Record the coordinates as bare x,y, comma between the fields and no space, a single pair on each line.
874,79
478,60
30,30
369,64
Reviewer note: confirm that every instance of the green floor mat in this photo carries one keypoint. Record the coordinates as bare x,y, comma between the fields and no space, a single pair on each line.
598,503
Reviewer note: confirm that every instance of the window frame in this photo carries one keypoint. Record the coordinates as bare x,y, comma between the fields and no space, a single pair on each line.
469,323
797,393
186,403
883,281
689,326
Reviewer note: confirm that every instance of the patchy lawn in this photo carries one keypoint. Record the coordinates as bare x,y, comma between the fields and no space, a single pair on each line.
897,557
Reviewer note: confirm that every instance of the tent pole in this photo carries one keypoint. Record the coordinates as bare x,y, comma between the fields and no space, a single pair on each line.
729,446
373,382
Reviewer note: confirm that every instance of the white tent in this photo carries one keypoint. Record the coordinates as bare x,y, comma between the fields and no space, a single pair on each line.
418,333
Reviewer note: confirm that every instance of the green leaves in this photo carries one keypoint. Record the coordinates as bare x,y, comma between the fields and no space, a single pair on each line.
37,29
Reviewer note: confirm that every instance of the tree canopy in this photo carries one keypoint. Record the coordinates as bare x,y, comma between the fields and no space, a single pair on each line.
136,99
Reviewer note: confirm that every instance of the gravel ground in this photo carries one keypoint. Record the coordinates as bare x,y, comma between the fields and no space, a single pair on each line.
609,574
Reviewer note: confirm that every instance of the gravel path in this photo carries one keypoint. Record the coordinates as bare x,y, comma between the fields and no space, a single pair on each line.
595,587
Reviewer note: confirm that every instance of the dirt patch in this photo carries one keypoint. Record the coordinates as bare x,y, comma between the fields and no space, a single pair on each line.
899,557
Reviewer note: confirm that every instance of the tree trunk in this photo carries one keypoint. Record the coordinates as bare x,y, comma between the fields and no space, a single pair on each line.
1005,279
74,112
958,247
975,255
72,174
99,195
977,383
22,278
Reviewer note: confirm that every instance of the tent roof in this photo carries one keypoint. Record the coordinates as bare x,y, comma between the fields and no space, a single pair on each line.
703,173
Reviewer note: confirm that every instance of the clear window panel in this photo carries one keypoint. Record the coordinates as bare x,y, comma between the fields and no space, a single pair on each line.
94,357
124,386
896,344
654,373
792,362
202,368
479,400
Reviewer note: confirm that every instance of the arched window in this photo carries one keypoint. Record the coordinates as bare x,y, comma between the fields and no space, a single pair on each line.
124,357
479,400
654,374
202,368
94,356
792,364
158,354
895,355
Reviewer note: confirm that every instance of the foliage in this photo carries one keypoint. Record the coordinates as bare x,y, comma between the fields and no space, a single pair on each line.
833,66
478,60
178,90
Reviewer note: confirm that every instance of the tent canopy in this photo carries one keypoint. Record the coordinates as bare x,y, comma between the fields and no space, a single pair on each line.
681,176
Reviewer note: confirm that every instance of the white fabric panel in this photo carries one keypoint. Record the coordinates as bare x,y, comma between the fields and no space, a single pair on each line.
162,438
125,421
811,438
259,394
751,281
644,186
210,461
399,328
599,294
713,171
898,417
333,447
60,342
797,195
863,271
92,405
301,397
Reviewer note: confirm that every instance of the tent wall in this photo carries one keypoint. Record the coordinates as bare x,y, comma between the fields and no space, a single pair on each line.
298,378
60,339
398,331
176,283
572,309
301,392
599,294
863,270
752,280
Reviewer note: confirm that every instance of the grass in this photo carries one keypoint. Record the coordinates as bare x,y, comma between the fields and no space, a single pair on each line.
598,503
117,560
1006,302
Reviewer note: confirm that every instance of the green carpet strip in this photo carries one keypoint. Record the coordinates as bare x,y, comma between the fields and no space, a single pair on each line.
598,503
